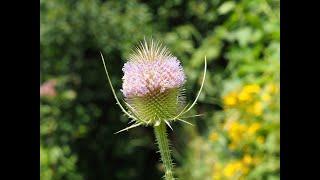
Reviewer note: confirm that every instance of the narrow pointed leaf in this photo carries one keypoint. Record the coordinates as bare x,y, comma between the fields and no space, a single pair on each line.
130,127
114,94
185,122
203,79
168,124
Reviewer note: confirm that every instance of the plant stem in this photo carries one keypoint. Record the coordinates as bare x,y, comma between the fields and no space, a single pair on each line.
162,140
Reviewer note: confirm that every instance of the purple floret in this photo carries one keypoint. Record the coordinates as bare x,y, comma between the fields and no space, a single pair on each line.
145,77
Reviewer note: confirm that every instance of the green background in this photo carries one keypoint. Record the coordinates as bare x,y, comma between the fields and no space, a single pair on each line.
241,42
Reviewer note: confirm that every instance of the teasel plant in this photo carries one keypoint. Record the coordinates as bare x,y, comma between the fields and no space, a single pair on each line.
154,94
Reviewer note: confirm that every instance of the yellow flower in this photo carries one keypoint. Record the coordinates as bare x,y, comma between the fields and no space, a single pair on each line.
252,88
214,136
253,128
230,99
235,168
231,169
266,97
236,127
256,108
244,96
247,159
236,131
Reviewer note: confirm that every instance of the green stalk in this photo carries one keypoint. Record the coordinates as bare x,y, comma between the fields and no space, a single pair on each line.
162,140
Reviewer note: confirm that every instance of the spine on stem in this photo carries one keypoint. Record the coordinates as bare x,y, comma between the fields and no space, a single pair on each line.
162,141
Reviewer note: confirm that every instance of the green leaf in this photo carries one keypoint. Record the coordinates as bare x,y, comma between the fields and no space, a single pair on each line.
226,7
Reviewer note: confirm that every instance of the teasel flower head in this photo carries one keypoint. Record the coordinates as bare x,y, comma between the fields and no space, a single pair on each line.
152,86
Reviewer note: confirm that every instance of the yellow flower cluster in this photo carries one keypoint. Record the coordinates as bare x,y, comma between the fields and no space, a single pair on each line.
251,97
234,169
236,131
239,132
244,95
245,110
255,109
230,99
253,128
247,92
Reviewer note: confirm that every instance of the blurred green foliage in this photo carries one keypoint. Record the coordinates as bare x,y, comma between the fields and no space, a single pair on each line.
79,116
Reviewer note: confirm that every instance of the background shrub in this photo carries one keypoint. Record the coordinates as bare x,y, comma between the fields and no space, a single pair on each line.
238,136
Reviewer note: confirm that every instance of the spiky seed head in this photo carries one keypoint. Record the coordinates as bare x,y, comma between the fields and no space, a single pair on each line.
152,82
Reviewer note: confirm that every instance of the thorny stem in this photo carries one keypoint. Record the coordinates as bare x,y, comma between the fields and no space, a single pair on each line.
162,140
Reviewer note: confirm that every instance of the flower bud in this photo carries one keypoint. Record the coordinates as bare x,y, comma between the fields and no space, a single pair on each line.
152,83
